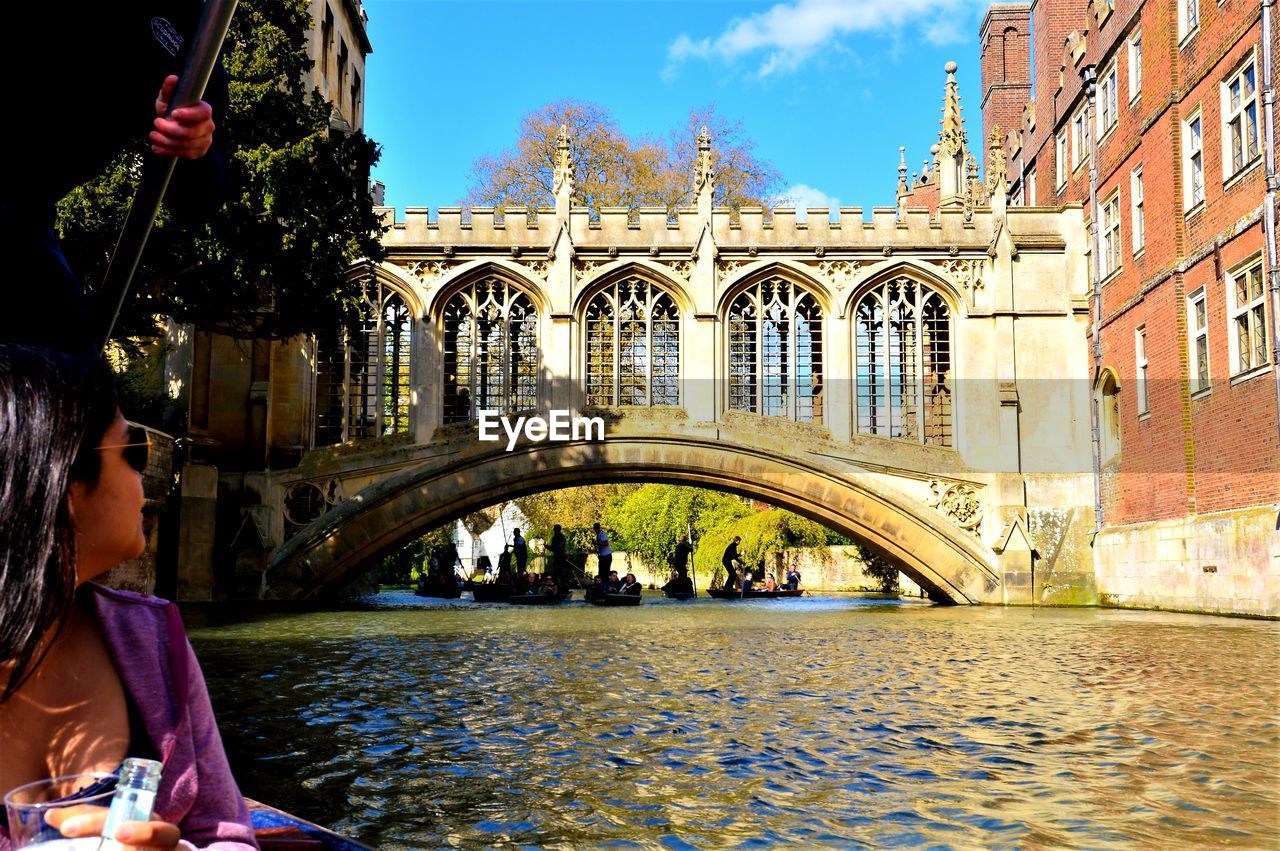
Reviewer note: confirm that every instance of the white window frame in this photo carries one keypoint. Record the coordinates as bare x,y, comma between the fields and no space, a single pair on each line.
1252,312
1240,113
1060,159
1108,101
1135,67
1140,369
1110,256
1188,19
1137,210
1198,340
1079,140
1192,161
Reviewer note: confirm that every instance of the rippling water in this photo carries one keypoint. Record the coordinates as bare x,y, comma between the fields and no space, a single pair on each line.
819,721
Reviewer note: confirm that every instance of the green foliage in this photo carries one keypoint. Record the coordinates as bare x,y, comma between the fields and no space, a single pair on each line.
648,522
273,260
412,561
877,567
766,537
575,509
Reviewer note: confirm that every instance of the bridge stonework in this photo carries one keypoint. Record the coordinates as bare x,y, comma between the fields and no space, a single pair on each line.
996,510
918,379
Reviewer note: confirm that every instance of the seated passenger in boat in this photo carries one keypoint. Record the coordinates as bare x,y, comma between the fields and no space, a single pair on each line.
630,585
679,583
793,580
770,584
597,589
614,583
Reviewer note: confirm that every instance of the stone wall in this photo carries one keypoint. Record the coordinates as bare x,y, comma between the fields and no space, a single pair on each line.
1224,563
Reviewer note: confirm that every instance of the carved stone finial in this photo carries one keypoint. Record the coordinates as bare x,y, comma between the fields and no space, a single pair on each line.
703,175
997,174
903,187
564,161
952,138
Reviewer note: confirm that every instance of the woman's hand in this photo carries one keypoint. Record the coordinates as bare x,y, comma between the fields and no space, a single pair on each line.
140,835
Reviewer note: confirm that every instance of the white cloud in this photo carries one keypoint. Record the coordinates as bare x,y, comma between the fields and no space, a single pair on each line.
787,34
802,196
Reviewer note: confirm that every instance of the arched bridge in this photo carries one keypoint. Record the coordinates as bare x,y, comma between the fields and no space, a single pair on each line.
918,381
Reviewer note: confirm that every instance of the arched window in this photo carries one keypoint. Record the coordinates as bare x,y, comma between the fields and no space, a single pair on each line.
633,346
490,350
903,339
362,374
775,351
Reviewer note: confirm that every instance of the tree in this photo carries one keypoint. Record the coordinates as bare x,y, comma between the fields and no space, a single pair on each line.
877,567
614,170
575,509
651,519
766,537
272,262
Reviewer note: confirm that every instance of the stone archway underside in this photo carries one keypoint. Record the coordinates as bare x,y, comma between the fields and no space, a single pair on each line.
334,549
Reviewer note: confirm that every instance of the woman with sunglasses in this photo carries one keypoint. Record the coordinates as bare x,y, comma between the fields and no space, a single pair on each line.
88,675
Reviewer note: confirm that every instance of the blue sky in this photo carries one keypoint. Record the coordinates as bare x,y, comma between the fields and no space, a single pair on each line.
828,88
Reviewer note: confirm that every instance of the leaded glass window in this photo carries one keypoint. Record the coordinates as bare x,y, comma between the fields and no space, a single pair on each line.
362,372
775,351
633,345
903,363
490,350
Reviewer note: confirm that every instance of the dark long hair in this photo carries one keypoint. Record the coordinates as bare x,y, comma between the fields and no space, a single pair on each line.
51,405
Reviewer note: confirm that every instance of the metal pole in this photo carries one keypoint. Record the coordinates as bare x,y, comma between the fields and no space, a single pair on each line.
210,33
1089,74
1273,185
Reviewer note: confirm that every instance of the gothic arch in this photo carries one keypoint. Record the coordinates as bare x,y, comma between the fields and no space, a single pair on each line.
657,273
795,272
631,339
513,273
396,278
925,273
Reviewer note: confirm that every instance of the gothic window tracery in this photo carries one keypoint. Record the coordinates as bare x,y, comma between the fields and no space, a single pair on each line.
775,351
490,350
903,363
633,345
362,373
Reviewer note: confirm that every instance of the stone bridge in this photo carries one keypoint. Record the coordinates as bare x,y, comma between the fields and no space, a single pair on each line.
918,380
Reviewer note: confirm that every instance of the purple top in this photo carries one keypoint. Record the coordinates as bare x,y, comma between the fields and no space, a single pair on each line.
197,791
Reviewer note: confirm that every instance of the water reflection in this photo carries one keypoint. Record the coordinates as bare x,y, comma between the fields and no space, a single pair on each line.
816,721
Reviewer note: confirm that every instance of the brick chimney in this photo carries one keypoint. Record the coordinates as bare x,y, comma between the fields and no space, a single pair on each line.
1006,66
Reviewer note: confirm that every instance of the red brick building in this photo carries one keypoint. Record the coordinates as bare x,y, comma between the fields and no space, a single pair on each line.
1187,386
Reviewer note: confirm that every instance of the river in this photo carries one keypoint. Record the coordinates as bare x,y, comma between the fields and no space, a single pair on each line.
824,722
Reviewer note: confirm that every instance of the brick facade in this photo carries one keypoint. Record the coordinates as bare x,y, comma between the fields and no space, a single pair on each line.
1193,451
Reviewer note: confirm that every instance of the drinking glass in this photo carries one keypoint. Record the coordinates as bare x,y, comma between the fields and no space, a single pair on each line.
28,807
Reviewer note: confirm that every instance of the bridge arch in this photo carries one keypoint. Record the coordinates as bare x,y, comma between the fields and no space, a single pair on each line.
334,549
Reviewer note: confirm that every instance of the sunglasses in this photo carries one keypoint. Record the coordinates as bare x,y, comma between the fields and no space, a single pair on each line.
137,451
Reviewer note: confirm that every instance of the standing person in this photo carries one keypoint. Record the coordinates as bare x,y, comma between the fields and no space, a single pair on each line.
603,551
559,546
520,550
90,675
129,54
680,560
730,562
